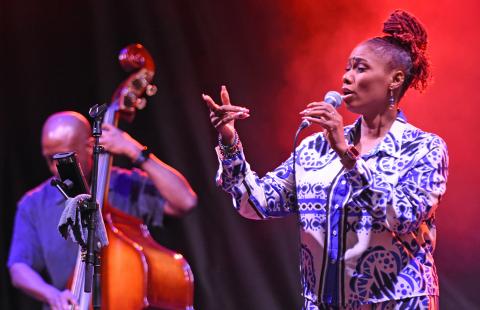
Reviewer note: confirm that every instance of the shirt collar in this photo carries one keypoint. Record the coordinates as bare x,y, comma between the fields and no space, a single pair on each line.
391,143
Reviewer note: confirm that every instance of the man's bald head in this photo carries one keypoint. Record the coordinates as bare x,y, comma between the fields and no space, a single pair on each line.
66,125
67,131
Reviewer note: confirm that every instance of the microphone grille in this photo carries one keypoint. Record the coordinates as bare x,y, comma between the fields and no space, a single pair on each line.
334,98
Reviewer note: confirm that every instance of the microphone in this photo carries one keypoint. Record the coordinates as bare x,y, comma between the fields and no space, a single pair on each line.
331,97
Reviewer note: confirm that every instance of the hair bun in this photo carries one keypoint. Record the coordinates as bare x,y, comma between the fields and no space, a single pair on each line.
406,28
407,31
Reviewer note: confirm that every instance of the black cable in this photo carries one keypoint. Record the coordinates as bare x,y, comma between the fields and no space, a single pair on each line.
302,126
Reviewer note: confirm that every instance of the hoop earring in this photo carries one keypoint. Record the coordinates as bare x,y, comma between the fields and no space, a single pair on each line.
391,99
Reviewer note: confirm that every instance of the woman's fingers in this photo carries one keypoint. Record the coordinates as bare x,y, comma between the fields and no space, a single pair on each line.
224,95
210,103
224,112
320,121
222,109
323,114
220,121
316,120
320,104
317,107
318,113
232,108
222,116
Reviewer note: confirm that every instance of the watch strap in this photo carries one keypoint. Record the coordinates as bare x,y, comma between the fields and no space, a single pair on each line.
142,157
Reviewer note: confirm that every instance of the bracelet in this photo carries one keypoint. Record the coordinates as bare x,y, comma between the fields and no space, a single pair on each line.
142,157
229,151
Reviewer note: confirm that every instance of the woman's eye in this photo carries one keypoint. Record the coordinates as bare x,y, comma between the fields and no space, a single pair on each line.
348,68
361,69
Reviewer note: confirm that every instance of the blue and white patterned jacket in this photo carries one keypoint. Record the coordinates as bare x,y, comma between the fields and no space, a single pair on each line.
367,234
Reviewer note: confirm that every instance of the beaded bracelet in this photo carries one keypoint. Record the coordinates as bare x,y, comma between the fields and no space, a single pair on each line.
229,151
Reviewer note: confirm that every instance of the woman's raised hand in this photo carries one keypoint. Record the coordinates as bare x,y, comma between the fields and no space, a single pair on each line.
223,116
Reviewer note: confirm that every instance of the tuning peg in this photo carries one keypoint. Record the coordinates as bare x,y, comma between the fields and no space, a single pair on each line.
140,83
141,103
130,99
151,90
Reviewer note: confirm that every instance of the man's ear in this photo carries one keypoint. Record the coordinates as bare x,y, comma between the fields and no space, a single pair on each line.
89,145
398,77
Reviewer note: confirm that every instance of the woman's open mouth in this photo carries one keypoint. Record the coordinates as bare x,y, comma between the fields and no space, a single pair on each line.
347,94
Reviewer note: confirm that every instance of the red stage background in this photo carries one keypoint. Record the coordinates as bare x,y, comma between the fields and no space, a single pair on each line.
275,56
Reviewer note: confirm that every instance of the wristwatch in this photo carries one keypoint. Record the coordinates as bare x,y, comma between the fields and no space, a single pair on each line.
351,153
142,157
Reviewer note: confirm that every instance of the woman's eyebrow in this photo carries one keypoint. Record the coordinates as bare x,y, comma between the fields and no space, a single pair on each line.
356,60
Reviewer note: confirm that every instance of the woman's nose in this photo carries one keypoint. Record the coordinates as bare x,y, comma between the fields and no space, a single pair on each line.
347,77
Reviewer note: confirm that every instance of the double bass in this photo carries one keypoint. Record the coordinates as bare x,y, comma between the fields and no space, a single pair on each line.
136,272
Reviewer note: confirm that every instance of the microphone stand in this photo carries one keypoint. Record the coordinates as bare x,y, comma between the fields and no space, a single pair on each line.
92,256
302,126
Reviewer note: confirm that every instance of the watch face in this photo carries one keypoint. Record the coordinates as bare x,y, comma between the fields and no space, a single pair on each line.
354,151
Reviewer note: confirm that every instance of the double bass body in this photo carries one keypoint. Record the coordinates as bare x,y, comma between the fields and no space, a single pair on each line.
139,273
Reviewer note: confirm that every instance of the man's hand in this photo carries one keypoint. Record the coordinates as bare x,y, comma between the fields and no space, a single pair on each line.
58,300
119,142
28,280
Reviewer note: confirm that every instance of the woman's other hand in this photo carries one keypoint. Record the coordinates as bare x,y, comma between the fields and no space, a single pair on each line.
223,116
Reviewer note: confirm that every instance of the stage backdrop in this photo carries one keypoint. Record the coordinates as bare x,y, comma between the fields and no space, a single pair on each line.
275,56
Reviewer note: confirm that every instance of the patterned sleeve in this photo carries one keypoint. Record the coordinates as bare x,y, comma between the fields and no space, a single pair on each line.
254,197
25,247
413,200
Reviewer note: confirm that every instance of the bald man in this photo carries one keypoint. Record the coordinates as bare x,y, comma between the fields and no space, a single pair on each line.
37,246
